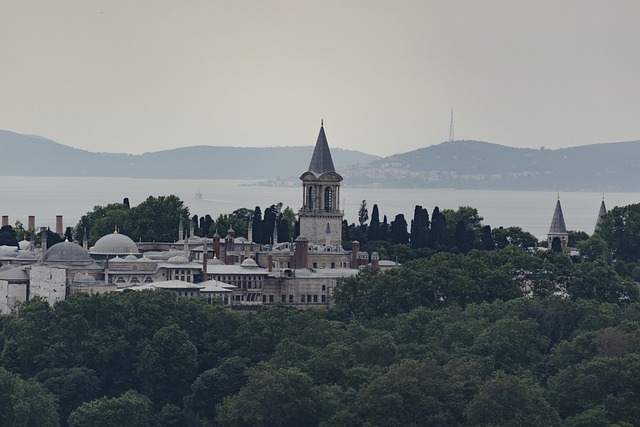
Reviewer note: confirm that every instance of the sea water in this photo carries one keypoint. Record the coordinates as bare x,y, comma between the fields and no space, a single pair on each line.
72,197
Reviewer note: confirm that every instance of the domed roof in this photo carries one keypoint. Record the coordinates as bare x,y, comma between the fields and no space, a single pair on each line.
66,252
115,244
249,263
179,259
215,261
14,274
83,278
131,257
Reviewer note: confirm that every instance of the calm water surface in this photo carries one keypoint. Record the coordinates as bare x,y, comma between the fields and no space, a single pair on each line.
72,197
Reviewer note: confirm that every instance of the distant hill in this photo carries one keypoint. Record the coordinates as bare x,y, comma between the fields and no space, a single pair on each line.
482,165
457,164
37,156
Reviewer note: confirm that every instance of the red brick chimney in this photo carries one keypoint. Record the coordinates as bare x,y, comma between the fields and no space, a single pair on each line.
302,252
59,228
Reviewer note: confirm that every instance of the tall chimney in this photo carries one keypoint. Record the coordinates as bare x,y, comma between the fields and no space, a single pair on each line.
302,252
355,248
59,229
5,220
32,223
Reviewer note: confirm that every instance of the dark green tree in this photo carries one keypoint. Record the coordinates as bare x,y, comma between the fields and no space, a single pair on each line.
507,400
167,365
72,387
260,232
374,224
157,219
281,397
8,236
486,238
620,228
363,213
26,403
419,228
513,236
130,409
398,230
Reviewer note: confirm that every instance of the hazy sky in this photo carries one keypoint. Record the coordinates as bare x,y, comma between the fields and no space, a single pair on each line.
146,75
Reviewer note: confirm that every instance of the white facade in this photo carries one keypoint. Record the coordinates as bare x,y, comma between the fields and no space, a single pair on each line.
11,295
48,283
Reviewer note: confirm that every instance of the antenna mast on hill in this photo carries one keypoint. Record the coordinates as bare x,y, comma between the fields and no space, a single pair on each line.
451,138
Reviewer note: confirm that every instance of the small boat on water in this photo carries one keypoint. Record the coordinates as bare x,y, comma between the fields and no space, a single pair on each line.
198,195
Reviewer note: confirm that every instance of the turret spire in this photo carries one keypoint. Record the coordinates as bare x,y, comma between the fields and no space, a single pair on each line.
321,160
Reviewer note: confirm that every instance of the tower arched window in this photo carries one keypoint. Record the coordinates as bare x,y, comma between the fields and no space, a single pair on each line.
310,197
328,199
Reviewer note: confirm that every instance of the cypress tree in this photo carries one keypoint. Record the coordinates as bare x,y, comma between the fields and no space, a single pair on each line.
374,224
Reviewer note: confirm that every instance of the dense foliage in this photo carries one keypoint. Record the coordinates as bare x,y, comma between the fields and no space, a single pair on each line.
483,333
448,340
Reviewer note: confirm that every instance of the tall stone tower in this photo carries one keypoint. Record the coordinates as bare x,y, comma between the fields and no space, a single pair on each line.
320,217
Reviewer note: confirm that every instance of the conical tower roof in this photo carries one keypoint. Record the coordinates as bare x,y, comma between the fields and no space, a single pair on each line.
321,160
557,223
601,214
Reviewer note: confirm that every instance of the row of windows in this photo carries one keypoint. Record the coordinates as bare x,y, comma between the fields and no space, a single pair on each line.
134,279
223,278
290,300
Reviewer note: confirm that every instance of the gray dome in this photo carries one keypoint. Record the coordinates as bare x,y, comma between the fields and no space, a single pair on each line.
66,252
249,263
115,244
83,278
178,259
13,274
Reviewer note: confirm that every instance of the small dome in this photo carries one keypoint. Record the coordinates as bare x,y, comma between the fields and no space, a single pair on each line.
115,244
83,278
179,259
131,257
116,259
13,274
66,252
24,245
249,263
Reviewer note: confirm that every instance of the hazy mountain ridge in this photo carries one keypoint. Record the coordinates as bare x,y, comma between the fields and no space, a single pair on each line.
456,164
37,156
482,165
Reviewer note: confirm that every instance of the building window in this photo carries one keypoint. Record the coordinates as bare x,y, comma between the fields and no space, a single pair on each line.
324,287
135,280
333,265
324,298
315,298
310,197
264,298
270,298
291,299
308,298
328,199
120,280
301,298
284,298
